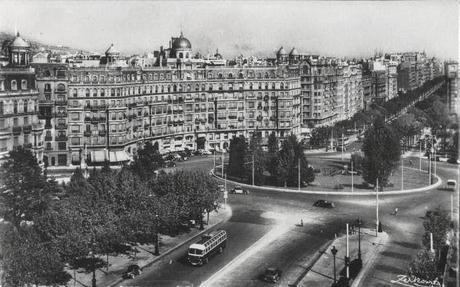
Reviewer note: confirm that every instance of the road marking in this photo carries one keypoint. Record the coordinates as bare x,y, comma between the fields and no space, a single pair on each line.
249,252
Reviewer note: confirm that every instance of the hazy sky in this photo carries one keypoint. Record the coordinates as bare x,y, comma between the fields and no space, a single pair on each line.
343,28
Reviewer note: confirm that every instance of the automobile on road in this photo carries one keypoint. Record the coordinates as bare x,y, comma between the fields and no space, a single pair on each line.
451,184
272,275
132,271
239,190
324,203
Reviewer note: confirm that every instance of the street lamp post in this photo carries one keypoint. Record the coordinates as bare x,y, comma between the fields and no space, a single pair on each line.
157,249
377,208
334,253
93,281
402,172
252,170
347,258
360,261
420,156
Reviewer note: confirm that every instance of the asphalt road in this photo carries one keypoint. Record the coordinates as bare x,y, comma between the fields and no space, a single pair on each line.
254,215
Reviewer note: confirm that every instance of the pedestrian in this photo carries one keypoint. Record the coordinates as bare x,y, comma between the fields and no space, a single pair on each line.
301,222
396,211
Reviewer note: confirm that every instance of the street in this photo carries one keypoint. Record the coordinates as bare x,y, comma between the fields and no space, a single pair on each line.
256,214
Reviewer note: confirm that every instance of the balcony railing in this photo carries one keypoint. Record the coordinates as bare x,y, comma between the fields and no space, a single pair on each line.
61,114
61,138
27,145
27,129
5,131
102,133
61,103
87,134
61,126
48,138
17,130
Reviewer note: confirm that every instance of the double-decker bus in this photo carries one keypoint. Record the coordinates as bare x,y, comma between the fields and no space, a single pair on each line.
199,253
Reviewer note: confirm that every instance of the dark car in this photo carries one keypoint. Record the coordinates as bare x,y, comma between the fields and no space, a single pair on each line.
324,203
132,271
272,275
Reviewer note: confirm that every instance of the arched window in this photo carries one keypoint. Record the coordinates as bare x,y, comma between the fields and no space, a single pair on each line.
14,85
87,93
209,75
15,107
94,92
174,88
220,76
230,75
26,106
23,85
61,87
1,108
240,76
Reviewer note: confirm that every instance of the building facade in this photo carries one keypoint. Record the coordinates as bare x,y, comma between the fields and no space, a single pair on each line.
106,112
19,123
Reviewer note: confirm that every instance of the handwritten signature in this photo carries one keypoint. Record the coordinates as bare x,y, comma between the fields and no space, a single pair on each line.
412,281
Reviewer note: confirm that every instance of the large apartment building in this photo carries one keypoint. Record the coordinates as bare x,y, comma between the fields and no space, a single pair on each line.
104,113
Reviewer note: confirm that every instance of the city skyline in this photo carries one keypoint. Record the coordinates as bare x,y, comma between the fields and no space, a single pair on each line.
342,29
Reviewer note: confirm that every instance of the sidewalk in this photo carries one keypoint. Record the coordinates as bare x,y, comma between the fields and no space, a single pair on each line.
144,255
322,271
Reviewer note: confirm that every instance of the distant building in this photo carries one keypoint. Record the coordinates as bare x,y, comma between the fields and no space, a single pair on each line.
451,74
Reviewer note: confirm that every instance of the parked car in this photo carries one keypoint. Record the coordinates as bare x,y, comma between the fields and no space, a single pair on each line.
132,271
272,275
206,152
324,203
170,164
239,190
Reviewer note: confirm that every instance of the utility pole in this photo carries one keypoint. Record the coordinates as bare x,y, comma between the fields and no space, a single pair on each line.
402,173
298,173
342,146
223,164
214,160
420,156
429,169
352,183
377,208
252,170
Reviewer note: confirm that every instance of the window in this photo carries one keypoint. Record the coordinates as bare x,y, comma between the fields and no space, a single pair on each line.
1,108
14,85
23,85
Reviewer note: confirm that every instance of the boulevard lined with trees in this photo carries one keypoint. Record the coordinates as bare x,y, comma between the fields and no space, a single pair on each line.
49,227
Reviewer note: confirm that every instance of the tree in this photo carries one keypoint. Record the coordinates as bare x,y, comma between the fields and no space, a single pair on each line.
237,156
437,223
147,161
320,136
381,153
290,155
25,194
271,163
424,266
257,154
407,126
28,260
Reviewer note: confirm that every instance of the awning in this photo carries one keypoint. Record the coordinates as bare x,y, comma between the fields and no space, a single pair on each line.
100,156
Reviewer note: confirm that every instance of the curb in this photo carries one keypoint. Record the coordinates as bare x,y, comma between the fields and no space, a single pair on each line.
161,256
312,262
390,192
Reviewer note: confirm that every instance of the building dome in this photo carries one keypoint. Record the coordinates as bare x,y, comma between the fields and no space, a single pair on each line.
181,43
281,52
18,42
293,52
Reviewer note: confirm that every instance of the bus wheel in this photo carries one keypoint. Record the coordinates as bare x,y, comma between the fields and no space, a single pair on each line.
221,249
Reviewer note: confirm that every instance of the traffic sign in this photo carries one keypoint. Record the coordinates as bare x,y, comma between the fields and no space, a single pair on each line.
225,194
